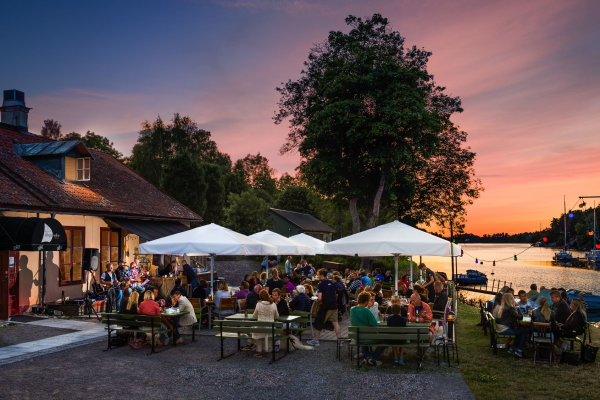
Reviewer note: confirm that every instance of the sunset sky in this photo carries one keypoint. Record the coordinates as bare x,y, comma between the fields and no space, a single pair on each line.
528,74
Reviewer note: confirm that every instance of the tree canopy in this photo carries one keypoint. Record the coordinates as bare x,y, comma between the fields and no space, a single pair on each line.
94,141
368,121
247,213
51,129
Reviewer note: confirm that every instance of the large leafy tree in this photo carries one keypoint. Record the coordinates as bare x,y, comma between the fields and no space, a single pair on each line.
297,199
94,141
185,180
51,129
247,213
158,142
367,119
256,171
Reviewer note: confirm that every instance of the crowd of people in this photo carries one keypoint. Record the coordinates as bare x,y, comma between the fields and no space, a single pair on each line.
567,318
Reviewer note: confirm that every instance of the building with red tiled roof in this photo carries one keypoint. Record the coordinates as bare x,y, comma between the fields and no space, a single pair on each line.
99,201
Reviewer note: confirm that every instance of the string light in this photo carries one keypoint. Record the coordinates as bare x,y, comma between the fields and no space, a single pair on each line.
571,215
476,261
494,264
598,246
545,239
590,232
515,257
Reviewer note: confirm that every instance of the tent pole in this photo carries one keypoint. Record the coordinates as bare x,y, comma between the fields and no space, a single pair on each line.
212,270
396,266
43,278
267,266
411,273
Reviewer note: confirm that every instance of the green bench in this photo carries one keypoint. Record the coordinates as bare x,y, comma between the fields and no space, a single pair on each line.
240,329
303,321
132,323
387,337
494,336
581,340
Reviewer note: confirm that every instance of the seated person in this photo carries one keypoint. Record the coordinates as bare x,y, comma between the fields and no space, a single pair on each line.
494,304
507,323
545,315
252,299
201,292
404,291
560,307
222,293
365,279
337,282
388,277
150,307
362,316
274,282
394,300
524,304
130,306
157,297
253,280
282,305
397,321
301,302
355,283
289,285
440,301
418,306
575,324
377,275
295,278
421,291
533,292
243,292
378,294
565,297
373,305
265,311
177,287
183,304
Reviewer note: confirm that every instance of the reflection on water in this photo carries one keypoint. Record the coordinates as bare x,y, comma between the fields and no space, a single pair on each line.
533,266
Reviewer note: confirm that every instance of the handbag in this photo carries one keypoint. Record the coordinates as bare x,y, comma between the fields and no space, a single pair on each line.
588,353
570,358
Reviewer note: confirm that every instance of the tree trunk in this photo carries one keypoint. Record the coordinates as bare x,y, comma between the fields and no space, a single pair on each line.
373,212
354,214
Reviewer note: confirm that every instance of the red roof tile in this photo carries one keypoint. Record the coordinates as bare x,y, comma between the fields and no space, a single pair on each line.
113,188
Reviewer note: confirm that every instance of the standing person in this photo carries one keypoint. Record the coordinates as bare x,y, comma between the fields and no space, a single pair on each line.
362,316
115,294
328,310
264,264
388,277
397,321
288,265
429,280
189,272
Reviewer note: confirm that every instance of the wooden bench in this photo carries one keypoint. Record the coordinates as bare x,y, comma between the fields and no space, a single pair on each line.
303,321
387,337
240,329
132,323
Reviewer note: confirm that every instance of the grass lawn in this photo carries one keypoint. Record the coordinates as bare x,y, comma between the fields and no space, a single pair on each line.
505,377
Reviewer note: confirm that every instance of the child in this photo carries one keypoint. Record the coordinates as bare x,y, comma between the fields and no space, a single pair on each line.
394,300
373,306
397,321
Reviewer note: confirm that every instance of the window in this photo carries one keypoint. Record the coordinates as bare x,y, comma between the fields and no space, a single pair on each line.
83,169
71,271
109,248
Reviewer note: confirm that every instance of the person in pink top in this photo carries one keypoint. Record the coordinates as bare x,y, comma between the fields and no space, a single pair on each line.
288,284
150,307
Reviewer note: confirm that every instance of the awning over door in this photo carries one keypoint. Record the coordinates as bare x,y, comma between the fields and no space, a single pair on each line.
32,234
149,230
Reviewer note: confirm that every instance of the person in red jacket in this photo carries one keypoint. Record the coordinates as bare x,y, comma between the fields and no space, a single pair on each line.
150,307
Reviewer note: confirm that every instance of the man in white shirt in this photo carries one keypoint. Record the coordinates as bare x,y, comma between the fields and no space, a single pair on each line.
183,304
524,304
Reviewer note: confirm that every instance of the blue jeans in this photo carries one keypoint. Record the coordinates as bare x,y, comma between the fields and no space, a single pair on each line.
520,336
375,355
194,283
119,297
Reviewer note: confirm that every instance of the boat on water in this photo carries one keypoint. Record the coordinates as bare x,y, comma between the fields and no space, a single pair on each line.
472,277
563,256
593,303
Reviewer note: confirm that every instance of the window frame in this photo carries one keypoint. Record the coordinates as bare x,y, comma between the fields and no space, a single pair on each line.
102,266
72,282
83,169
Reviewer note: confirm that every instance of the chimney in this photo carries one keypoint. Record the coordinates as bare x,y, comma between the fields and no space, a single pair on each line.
13,109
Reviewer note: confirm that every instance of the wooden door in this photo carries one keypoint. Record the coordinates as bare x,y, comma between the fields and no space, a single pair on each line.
4,305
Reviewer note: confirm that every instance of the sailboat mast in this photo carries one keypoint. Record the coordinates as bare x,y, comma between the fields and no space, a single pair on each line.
565,202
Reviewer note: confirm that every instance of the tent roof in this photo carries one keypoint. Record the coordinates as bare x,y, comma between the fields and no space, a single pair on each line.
308,240
284,245
389,239
206,240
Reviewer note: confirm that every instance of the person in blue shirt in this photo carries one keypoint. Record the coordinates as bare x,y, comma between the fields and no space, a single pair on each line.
524,304
378,276
365,279
397,321
328,310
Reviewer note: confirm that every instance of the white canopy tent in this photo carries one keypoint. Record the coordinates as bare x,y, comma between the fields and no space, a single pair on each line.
393,239
307,240
209,240
285,246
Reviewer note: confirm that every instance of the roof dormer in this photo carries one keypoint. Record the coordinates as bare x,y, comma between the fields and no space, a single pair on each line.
68,161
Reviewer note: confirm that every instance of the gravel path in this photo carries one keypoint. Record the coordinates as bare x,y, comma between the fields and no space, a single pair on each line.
233,271
192,371
14,333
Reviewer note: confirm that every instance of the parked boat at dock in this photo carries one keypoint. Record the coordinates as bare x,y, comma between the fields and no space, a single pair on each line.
472,277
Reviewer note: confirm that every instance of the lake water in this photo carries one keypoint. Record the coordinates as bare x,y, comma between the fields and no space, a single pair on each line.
535,265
